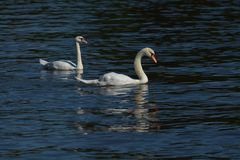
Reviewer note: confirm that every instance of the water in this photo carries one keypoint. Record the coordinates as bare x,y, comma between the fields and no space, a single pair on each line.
188,110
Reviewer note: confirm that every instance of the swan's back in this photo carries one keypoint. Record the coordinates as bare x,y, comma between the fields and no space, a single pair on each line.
59,65
113,78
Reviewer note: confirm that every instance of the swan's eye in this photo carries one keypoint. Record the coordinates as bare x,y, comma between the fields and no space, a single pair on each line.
80,39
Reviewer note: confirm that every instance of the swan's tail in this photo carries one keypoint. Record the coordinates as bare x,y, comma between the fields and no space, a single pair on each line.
43,62
94,81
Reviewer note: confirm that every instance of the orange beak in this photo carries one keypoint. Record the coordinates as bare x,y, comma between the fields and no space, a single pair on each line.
84,41
153,57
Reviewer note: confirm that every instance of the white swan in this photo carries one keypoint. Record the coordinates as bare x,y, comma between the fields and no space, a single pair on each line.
121,79
66,65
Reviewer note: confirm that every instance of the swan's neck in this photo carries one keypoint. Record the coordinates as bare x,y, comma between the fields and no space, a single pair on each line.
79,58
138,68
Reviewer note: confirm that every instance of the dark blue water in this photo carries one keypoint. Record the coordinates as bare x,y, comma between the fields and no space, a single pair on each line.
188,110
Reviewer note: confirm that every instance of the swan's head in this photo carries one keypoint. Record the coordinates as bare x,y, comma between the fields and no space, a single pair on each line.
80,39
150,53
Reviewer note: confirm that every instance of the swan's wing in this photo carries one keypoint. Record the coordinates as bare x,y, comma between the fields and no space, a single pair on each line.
113,78
70,62
59,65
64,65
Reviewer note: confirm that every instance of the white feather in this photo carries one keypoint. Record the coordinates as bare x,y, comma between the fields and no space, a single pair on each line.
43,62
112,78
66,65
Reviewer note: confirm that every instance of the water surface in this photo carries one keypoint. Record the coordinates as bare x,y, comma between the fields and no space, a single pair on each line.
188,110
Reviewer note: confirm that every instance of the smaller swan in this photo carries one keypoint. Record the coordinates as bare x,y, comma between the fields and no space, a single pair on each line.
66,65
113,79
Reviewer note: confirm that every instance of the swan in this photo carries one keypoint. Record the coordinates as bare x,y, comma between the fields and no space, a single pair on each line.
66,65
115,79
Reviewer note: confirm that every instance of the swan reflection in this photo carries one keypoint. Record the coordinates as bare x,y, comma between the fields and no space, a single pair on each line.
141,118
44,74
116,90
145,115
